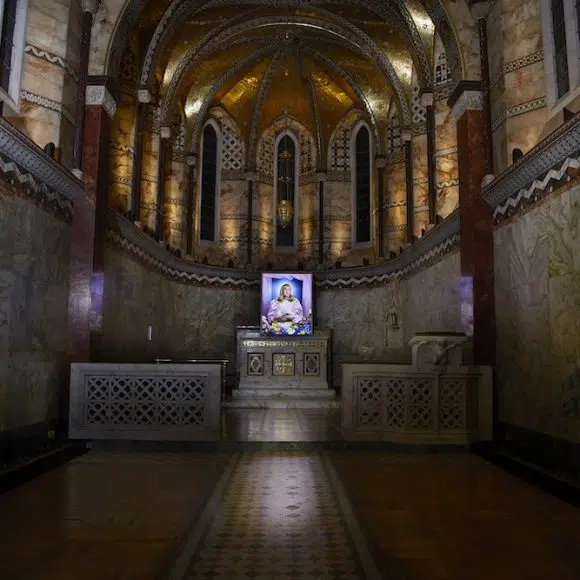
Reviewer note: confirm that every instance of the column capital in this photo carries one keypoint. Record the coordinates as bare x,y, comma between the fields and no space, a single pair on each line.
90,5
321,175
406,135
380,160
144,96
467,95
250,175
479,8
191,159
165,132
427,98
100,96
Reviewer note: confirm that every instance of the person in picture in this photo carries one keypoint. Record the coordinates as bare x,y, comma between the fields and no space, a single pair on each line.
285,310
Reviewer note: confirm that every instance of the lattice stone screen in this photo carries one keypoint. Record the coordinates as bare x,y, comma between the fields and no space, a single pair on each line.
399,403
146,402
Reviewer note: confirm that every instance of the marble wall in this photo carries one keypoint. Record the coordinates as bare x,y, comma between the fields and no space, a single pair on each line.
50,74
187,321
34,257
537,293
427,301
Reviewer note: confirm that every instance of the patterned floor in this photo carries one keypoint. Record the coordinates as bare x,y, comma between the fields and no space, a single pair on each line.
277,515
292,424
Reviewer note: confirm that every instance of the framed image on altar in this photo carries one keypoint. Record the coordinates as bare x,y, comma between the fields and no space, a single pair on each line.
286,304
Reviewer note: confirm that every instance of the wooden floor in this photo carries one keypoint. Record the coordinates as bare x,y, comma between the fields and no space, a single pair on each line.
459,518
103,516
110,516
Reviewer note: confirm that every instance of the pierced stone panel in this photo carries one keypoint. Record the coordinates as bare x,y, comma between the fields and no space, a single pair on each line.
395,403
255,364
393,136
420,399
452,409
136,401
370,401
419,111
283,364
311,364
442,72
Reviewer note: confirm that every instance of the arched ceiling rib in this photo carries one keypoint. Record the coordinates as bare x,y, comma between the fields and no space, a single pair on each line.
236,54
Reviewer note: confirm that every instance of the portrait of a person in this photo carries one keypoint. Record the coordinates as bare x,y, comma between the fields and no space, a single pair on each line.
285,309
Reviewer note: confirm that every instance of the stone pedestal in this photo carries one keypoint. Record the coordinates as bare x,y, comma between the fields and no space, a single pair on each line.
282,371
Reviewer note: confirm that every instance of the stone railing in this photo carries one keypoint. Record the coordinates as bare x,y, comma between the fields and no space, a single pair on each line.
550,163
435,399
28,165
154,402
439,241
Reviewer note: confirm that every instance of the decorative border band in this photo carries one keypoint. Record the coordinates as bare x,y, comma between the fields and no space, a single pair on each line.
52,59
440,241
549,154
15,147
519,110
517,64
49,104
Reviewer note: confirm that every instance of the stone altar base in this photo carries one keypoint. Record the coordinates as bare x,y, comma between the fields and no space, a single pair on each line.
282,372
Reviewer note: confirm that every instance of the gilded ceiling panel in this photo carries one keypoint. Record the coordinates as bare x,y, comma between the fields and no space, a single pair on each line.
207,74
333,101
238,95
288,94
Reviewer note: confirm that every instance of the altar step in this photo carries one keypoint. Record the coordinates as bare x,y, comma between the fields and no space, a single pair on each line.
273,398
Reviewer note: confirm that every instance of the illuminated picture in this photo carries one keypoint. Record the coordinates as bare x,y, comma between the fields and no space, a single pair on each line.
286,305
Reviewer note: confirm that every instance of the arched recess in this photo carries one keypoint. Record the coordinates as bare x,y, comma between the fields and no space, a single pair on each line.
361,164
209,189
286,189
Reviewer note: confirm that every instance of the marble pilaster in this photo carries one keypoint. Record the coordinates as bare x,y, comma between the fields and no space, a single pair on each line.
477,278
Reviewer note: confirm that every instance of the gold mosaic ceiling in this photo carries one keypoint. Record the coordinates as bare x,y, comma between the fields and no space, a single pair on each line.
263,61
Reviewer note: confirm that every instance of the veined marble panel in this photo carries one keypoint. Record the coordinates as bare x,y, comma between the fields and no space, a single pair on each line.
538,317
34,258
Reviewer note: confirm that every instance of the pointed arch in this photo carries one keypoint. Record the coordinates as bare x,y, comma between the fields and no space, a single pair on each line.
361,156
209,189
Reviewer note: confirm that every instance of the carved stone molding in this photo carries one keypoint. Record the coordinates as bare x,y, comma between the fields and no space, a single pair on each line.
100,96
549,161
14,146
90,5
52,59
49,104
468,100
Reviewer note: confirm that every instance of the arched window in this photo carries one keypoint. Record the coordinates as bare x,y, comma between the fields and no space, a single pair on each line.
362,186
12,35
210,183
285,198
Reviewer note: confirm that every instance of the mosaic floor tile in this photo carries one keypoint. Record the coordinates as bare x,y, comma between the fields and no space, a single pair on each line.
279,517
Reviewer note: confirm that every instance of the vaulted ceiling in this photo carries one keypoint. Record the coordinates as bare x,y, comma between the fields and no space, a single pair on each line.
261,60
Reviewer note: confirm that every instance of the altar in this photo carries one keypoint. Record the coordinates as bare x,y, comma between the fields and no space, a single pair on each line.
282,367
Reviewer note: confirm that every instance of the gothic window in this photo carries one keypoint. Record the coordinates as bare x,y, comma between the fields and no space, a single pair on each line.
362,186
12,33
560,48
285,198
561,38
210,183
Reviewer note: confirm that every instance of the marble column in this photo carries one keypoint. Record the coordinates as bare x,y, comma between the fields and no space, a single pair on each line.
406,136
144,98
480,11
427,102
189,204
321,177
159,220
250,177
88,230
381,162
89,7
476,233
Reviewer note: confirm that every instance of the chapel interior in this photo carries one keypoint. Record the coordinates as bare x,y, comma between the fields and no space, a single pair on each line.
416,162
